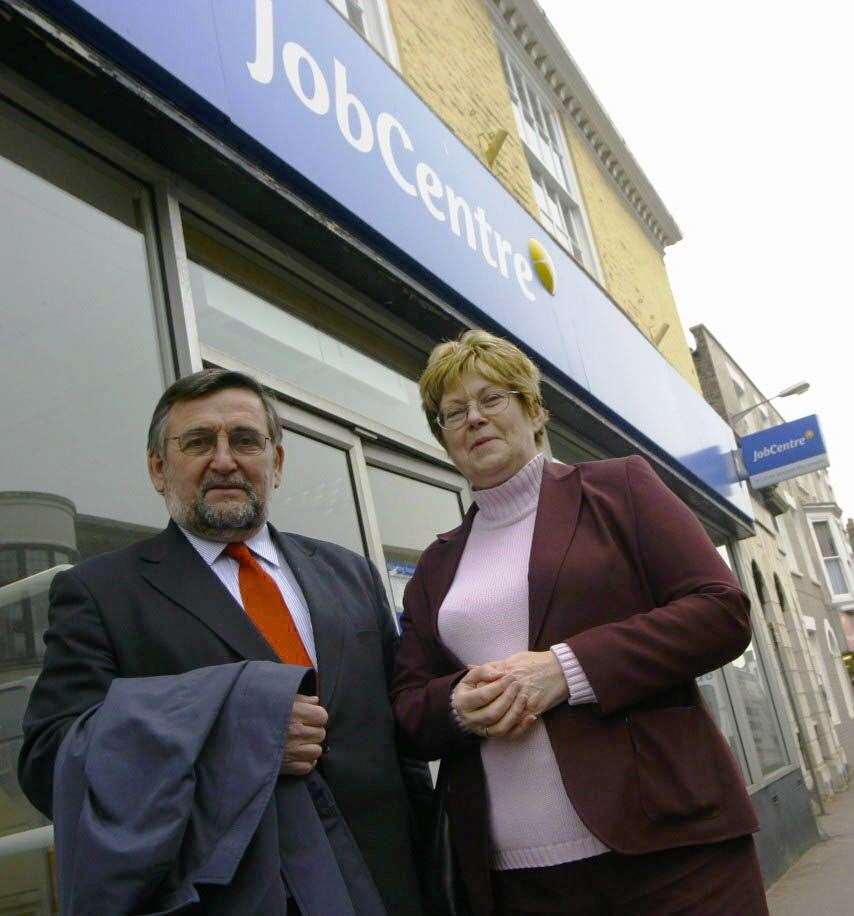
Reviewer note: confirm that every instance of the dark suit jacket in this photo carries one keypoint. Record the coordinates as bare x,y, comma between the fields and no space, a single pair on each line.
180,774
155,608
624,573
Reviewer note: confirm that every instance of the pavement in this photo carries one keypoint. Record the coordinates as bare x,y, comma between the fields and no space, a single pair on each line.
821,882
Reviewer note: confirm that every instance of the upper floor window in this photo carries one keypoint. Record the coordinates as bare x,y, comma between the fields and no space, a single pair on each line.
370,19
555,185
739,387
831,555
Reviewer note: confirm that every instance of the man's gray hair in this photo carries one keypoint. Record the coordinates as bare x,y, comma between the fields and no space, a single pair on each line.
198,385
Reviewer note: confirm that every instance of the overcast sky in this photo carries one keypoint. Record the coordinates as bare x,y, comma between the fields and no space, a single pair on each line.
740,114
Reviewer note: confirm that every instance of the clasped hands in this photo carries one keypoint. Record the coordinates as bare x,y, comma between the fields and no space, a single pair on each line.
502,699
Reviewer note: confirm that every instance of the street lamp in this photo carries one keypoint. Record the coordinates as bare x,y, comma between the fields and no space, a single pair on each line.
797,388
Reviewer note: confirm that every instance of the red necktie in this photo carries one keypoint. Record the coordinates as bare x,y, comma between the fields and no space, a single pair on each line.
267,609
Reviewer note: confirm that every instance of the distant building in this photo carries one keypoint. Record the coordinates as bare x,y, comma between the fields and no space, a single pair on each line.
800,562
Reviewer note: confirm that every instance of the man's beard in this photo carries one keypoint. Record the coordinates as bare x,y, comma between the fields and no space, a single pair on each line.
218,522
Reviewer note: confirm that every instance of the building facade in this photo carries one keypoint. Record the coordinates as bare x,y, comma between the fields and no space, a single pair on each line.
801,571
318,192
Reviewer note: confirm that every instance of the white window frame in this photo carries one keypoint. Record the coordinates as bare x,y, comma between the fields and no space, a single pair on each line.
739,386
378,31
841,555
541,130
559,215
767,665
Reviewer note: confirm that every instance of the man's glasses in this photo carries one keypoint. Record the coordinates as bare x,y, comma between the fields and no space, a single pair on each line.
491,402
198,442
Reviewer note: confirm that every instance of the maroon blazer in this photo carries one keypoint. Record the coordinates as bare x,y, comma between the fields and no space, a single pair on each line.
624,573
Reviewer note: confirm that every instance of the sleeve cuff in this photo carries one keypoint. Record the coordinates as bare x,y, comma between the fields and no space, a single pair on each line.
579,687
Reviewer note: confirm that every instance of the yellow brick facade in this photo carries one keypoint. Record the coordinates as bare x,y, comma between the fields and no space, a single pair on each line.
633,269
448,55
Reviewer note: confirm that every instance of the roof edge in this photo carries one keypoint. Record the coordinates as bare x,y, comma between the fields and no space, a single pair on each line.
554,62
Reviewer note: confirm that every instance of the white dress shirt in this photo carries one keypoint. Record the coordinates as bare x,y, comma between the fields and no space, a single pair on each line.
267,553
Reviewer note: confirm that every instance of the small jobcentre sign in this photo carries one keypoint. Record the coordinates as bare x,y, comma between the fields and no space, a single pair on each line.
784,451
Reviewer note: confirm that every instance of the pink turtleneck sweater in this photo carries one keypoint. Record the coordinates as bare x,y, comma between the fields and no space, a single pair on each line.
484,618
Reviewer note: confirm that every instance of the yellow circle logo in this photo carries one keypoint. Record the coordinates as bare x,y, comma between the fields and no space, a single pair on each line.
809,434
542,264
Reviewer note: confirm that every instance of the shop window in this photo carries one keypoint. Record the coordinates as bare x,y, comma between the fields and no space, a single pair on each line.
753,702
316,497
250,312
371,20
752,685
554,180
755,695
831,555
406,532
716,696
81,368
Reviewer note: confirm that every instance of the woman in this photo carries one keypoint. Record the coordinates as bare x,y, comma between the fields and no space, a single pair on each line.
548,656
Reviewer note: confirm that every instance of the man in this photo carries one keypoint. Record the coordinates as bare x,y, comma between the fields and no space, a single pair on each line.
219,585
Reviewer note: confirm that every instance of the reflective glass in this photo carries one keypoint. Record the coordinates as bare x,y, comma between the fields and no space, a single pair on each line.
830,555
79,351
241,324
759,708
410,514
716,696
754,695
316,497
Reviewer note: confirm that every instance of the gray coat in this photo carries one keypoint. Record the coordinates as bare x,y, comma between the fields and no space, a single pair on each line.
168,795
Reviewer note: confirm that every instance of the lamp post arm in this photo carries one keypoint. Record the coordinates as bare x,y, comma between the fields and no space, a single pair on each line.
743,413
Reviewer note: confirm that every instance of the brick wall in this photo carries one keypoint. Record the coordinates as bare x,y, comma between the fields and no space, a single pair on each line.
707,374
448,55
633,269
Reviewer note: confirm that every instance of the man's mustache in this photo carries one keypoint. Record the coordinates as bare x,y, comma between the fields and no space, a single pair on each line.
233,484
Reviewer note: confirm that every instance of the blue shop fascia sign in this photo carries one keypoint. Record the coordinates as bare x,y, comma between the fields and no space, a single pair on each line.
784,451
297,79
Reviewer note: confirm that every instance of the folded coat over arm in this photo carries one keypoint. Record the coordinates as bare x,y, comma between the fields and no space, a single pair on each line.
168,793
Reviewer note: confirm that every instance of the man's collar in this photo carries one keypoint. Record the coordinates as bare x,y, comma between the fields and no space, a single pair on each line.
261,544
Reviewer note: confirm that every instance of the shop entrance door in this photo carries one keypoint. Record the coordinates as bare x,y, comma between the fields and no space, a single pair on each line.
340,486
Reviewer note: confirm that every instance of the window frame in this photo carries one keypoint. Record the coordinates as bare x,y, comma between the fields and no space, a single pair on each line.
757,779
840,555
378,33
329,293
532,104
387,459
